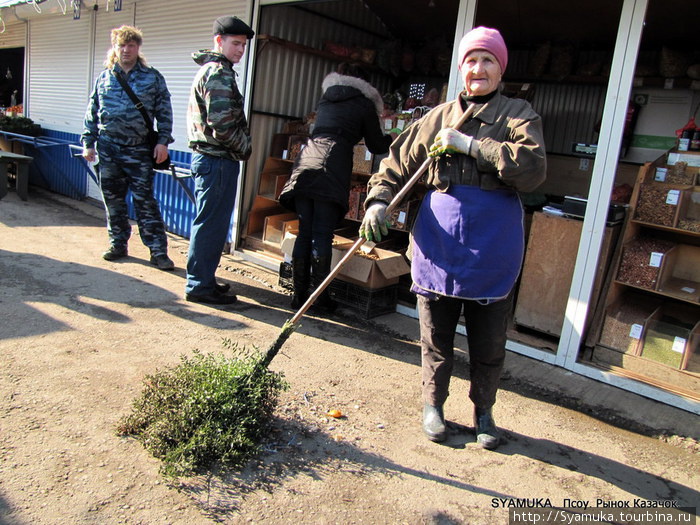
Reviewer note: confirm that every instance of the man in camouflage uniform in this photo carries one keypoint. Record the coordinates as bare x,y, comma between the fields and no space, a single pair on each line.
219,135
117,130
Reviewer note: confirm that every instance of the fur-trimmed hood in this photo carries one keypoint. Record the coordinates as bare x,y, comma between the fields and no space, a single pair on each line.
337,87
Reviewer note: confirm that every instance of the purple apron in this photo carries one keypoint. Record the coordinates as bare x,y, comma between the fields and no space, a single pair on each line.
468,243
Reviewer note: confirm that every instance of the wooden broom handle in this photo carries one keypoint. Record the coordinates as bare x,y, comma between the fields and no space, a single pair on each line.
424,167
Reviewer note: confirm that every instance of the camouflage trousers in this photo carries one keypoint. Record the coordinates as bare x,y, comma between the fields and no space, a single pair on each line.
121,169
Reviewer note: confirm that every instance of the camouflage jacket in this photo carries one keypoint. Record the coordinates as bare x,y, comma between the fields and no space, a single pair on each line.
112,116
216,124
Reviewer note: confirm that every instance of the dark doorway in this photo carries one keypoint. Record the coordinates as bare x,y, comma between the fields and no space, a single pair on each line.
11,76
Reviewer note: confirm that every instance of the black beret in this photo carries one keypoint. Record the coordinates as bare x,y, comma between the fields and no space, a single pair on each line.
231,25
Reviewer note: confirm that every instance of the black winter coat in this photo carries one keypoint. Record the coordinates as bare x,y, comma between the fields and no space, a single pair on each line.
348,111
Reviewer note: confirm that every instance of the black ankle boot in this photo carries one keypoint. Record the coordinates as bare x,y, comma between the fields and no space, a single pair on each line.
487,434
320,268
301,277
434,423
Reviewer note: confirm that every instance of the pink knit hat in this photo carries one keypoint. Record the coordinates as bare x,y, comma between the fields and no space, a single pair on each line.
486,39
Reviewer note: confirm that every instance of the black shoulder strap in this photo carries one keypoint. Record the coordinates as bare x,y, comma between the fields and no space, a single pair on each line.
134,99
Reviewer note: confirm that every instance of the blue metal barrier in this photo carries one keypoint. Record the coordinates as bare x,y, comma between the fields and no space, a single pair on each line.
60,167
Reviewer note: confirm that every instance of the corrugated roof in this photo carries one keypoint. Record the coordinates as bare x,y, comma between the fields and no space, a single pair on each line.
8,3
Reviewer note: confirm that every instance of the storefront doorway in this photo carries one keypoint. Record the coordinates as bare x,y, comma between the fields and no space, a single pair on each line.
11,77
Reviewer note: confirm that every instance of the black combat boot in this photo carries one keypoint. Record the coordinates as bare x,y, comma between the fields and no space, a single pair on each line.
301,277
487,434
434,423
320,268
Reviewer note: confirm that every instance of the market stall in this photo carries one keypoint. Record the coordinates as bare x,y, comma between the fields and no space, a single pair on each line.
562,69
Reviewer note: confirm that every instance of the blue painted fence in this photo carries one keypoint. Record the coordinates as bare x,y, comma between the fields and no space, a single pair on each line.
57,169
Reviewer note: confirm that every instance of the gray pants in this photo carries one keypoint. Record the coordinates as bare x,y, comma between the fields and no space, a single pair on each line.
486,334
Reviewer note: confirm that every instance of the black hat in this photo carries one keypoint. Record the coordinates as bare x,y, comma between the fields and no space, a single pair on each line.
231,25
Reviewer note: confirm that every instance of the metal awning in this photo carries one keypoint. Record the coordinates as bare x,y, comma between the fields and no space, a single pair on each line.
10,3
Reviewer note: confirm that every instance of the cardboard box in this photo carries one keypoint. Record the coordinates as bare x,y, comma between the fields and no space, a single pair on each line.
290,236
384,269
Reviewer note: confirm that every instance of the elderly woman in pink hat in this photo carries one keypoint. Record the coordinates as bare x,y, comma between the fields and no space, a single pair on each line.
467,242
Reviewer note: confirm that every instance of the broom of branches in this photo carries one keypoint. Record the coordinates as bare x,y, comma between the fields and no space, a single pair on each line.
211,409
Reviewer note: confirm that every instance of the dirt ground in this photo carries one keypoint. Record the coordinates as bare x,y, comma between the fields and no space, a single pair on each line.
78,334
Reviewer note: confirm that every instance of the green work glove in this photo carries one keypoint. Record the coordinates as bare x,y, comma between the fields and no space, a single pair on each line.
451,141
374,224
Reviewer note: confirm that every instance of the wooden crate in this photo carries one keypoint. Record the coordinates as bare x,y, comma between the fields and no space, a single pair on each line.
624,322
680,273
642,260
403,216
361,159
279,144
262,207
277,225
354,202
671,335
689,212
648,371
295,145
275,172
280,181
658,204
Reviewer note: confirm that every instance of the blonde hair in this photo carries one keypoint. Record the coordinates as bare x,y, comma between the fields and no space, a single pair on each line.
122,35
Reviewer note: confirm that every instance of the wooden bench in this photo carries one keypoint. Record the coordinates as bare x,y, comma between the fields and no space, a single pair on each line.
21,163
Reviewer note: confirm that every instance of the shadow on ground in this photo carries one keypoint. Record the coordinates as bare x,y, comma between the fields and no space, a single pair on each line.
297,449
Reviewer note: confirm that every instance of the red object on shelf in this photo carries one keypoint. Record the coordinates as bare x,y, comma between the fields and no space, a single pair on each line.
690,126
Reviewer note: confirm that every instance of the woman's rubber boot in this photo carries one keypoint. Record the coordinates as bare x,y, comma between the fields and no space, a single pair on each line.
301,278
434,423
320,268
487,435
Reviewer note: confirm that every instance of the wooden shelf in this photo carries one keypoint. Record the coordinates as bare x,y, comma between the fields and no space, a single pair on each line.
680,382
553,79
658,82
669,229
676,289
658,292
264,39
355,173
